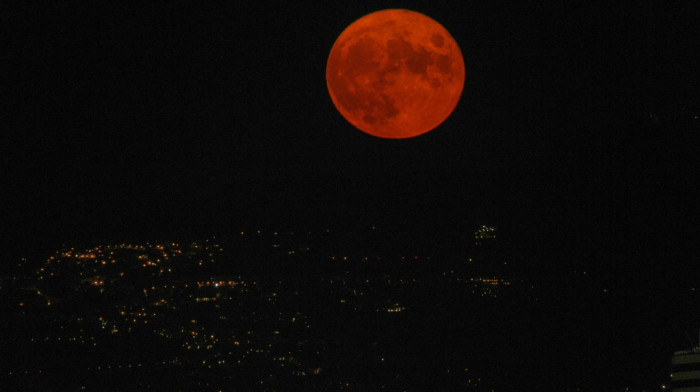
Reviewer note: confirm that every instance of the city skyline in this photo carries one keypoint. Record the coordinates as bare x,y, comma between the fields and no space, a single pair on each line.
243,311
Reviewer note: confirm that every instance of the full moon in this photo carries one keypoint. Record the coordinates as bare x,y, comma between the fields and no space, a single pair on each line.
395,74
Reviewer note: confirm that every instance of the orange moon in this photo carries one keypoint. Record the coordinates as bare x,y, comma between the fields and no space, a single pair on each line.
395,74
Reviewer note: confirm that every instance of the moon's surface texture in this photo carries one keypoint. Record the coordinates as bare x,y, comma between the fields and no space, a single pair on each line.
395,74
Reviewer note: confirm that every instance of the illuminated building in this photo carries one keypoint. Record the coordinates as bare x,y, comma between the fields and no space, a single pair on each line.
685,371
484,235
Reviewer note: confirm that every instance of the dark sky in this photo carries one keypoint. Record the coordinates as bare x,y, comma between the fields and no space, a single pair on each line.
572,134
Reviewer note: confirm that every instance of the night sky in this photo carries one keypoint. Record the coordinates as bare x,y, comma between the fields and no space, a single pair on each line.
572,134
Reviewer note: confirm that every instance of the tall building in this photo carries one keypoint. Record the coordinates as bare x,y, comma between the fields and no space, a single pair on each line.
685,371
486,253
484,235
